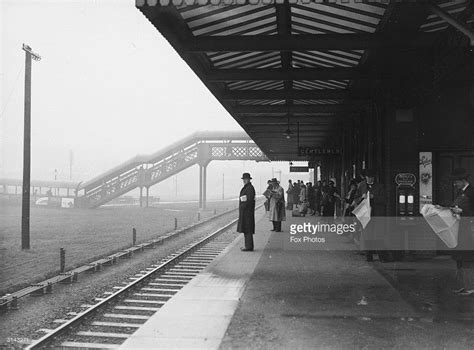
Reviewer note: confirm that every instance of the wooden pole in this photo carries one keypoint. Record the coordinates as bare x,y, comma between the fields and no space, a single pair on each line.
25,209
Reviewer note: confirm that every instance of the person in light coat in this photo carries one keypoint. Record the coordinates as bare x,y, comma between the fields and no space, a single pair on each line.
277,212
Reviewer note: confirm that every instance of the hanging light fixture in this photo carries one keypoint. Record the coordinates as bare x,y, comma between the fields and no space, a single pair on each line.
288,132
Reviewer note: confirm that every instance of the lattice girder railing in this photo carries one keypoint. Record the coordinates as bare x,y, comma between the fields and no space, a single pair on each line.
236,151
156,170
185,158
114,188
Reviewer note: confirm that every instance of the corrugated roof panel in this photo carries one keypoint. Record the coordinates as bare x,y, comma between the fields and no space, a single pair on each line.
315,102
300,28
361,17
317,16
323,59
306,23
230,20
373,8
319,84
262,102
246,59
255,85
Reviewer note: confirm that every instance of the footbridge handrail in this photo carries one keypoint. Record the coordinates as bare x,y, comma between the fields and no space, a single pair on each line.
143,171
166,151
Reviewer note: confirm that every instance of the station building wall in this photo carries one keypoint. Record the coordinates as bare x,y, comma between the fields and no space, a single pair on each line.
444,126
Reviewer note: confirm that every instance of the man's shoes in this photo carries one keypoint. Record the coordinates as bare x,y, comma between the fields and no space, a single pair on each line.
272,229
460,290
467,292
246,249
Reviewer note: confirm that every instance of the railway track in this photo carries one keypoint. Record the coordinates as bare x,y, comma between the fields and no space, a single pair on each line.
116,316
11,300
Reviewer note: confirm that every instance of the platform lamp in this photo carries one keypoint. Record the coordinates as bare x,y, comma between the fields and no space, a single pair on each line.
25,208
288,131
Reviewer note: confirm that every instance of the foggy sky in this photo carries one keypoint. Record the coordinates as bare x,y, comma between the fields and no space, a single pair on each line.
108,87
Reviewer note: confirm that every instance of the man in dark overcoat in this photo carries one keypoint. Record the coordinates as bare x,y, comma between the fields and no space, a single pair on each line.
246,223
463,254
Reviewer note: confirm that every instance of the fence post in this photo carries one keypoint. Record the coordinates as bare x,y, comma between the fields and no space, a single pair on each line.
199,216
175,223
134,236
62,259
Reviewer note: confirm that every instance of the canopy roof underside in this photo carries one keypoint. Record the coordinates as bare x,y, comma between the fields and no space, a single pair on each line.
306,65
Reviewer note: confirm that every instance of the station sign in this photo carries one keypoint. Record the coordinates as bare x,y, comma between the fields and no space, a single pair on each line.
313,164
311,151
405,179
299,169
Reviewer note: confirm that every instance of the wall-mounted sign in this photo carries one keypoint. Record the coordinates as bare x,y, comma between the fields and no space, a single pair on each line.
313,164
299,169
310,151
405,179
426,178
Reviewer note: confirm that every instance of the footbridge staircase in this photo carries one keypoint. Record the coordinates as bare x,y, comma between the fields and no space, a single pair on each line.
144,171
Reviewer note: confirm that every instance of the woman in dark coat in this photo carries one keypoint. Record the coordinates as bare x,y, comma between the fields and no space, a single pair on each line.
329,202
246,223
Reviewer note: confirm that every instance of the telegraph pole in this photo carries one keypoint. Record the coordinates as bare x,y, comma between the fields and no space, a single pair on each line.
25,209
222,186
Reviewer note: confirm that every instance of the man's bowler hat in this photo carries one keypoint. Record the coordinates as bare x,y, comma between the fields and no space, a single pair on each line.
246,176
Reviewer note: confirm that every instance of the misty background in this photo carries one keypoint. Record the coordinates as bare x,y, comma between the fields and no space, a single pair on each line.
108,87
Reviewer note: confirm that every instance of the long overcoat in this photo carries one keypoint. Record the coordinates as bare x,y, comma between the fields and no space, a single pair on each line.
464,250
277,211
246,223
289,194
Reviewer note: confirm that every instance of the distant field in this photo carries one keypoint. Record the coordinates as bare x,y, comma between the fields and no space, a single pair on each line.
85,234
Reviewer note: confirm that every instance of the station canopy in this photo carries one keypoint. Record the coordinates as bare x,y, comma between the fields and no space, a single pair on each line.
289,72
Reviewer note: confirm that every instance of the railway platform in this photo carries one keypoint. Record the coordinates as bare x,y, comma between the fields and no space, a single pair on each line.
281,297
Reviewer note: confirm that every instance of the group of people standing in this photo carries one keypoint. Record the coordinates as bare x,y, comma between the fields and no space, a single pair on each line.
321,199
318,200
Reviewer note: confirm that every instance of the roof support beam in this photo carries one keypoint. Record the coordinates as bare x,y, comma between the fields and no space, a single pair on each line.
331,94
281,134
304,42
285,74
452,21
265,120
281,109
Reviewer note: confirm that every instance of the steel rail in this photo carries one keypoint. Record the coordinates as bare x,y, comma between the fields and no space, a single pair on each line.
6,300
43,341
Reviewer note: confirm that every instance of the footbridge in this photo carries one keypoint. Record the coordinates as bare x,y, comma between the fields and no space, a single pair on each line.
144,171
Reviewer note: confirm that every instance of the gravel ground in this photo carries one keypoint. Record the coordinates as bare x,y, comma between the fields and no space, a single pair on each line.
16,326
